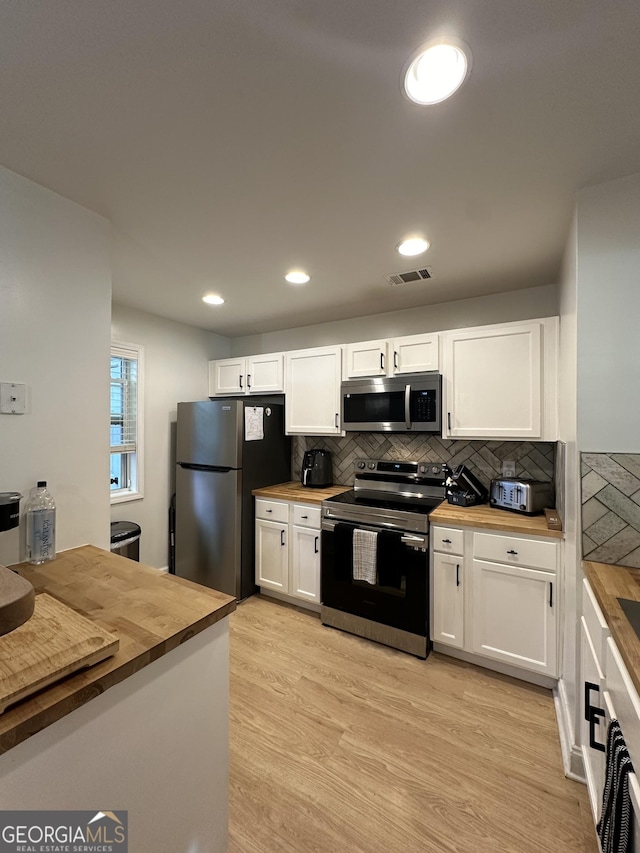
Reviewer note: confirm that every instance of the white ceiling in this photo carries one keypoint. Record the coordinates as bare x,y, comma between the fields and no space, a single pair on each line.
230,140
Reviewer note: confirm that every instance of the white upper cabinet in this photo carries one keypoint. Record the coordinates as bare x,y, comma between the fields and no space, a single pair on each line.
368,358
414,354
312,382
500,381
410,354
255,374
227,376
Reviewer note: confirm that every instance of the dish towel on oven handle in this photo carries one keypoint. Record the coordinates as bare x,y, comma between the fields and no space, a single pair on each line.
614,827
365,556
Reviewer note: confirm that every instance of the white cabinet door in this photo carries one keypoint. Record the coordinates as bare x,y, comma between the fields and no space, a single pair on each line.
514,616
272,555
305,563
414,354
493,381
265,373
448,600
227,376
312,380
368,358
593,726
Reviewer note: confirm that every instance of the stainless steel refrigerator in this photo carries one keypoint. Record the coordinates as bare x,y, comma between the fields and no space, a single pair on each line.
224,449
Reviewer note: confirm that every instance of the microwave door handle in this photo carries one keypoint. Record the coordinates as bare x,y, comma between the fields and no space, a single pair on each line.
407,406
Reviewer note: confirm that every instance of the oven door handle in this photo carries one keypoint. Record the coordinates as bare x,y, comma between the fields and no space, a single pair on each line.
407,406
406,538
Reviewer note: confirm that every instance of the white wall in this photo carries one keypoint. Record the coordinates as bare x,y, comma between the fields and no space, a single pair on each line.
608,317
175,369
55,296
568,368
497,308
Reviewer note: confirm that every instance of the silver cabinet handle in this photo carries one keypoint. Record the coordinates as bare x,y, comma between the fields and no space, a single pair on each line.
336,422
407,406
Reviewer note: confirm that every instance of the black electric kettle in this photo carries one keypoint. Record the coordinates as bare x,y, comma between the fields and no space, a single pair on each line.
316,469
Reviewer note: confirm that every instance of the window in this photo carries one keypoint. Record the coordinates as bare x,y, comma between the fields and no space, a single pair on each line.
126,422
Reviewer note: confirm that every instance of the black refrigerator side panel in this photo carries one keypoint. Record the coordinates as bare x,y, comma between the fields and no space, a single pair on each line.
265,463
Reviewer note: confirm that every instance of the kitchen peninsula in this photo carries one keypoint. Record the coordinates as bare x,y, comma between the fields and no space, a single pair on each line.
144,731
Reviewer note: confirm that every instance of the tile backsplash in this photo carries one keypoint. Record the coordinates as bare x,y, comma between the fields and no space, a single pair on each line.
611,508
534,460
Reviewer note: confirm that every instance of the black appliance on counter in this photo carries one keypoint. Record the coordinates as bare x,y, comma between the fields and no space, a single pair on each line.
316,469
464,489
391,500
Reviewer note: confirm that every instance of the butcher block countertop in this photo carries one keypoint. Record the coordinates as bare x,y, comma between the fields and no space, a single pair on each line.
609,583
149,611
488,517
295,491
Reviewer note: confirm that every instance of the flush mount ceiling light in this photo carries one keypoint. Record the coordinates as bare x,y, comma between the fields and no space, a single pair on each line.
297,277
413,246
436,71
213,299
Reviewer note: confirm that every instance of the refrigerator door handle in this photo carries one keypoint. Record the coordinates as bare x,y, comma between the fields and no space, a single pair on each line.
192,466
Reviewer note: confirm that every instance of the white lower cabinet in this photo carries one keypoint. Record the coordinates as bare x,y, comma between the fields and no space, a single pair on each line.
496,609
514,615
287,557
272,555
448,600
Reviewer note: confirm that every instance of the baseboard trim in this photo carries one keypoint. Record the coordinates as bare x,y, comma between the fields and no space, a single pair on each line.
497,666
571,752
290,599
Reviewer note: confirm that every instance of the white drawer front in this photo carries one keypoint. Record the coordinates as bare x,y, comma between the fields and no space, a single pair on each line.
306,516
595,623
448,540
515,551
272,510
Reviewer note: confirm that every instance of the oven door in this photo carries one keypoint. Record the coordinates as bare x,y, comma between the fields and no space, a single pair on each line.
401,603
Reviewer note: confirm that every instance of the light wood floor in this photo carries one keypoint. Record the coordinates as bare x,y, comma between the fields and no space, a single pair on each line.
339,744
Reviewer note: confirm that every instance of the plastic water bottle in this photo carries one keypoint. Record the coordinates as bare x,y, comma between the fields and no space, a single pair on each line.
41,525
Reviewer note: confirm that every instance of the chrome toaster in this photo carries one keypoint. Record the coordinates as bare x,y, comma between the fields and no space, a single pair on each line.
526,496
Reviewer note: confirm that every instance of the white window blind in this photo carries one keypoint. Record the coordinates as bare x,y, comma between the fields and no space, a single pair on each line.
126,421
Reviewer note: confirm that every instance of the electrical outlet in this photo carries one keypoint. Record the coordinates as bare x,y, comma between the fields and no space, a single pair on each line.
508,468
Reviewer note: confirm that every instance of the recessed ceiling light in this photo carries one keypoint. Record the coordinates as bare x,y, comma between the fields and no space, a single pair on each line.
413,246
212,299
297,277
436,72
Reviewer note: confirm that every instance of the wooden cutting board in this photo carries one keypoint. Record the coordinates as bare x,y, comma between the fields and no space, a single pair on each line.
55,642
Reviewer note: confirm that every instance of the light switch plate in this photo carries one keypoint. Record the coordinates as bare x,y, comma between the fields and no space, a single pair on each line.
12,398
508,468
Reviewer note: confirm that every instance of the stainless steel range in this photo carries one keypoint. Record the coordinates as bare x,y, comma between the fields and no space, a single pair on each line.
375,553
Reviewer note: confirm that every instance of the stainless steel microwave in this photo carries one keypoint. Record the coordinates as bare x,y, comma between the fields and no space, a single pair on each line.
410,403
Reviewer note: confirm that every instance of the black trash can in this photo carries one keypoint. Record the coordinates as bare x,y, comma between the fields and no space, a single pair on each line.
125,539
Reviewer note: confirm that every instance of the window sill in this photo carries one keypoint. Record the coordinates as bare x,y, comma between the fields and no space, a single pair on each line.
125,497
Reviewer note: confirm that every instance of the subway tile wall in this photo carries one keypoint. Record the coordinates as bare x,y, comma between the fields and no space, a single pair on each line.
611,508
534,460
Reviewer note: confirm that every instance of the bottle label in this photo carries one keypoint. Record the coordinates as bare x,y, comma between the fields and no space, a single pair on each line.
41,535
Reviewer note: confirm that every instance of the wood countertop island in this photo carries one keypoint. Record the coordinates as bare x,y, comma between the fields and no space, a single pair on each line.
490,518
609,583
144,731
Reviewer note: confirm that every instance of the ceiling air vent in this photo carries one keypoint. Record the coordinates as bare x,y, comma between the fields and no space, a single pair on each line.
407,277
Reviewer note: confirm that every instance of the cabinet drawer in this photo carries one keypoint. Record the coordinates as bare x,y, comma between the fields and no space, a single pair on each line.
272,510
624,697
515,551
306,516
595,623
448,540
